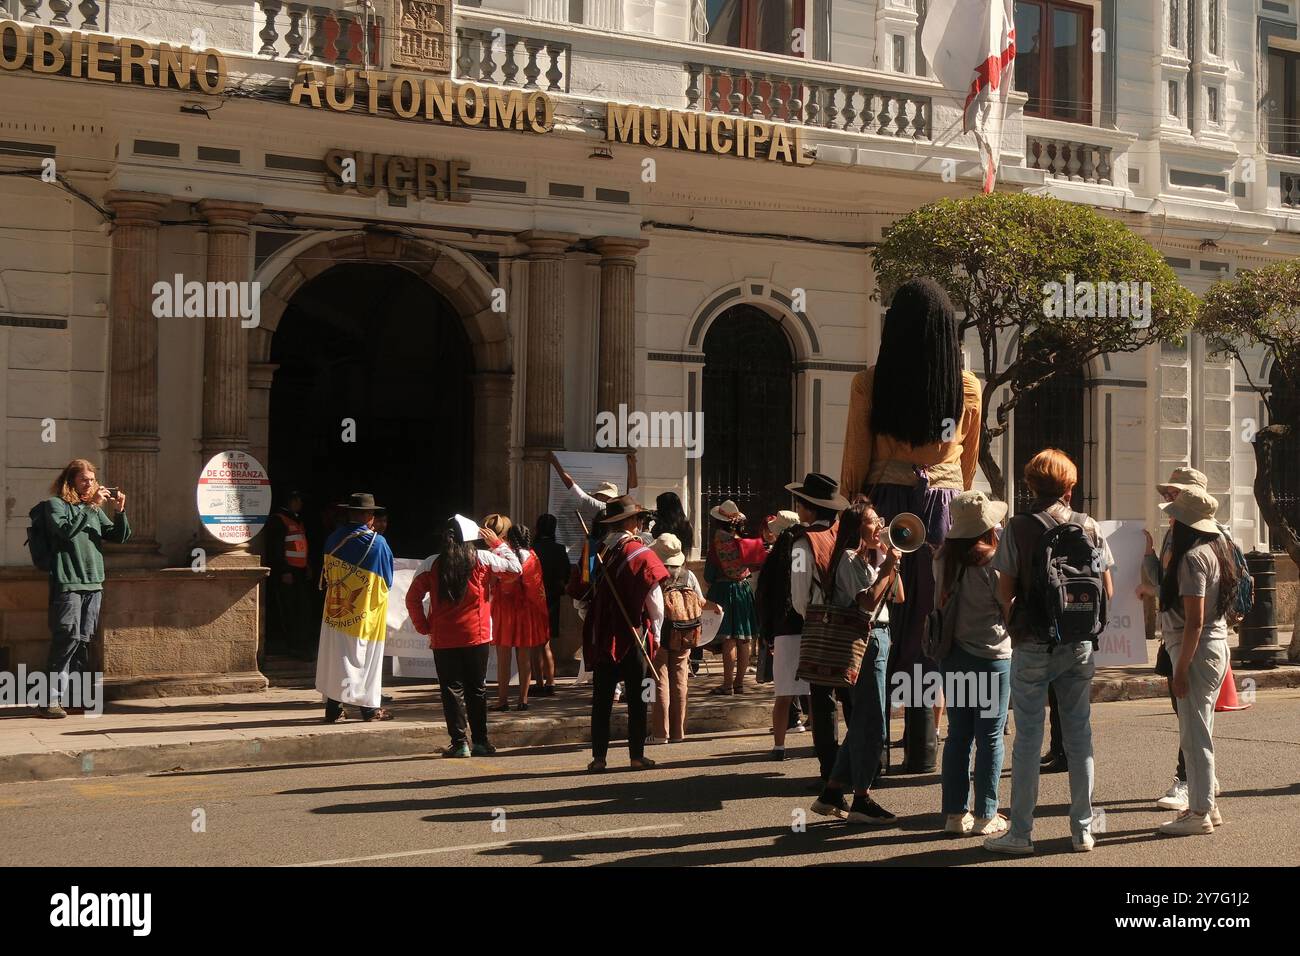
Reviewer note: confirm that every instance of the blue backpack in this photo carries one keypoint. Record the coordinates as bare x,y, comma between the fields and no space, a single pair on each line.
1244,600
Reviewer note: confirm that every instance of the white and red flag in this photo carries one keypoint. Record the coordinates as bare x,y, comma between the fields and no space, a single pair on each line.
971,46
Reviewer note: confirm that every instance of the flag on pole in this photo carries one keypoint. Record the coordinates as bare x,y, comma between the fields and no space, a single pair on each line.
971,45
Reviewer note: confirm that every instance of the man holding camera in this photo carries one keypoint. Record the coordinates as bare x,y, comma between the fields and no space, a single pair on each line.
79,516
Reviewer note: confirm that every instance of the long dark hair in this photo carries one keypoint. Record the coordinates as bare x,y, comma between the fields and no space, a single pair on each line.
772,599
546,526
670,518
1182,538
908,402
519,537
456,560
849,535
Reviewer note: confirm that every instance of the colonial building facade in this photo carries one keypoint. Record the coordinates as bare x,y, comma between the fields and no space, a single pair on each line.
470,228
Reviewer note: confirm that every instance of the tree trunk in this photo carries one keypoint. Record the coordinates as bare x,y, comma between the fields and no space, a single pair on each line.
989,465
1266,498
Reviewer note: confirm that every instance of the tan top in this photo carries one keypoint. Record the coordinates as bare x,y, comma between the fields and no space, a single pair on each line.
881,459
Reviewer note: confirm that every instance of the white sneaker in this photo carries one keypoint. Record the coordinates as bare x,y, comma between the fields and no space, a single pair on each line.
1083,842
1006,843
1216,818
1175,797
959,824
1187,823
1216,786
990,826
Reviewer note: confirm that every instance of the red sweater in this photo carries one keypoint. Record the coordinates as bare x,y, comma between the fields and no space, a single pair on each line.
467,623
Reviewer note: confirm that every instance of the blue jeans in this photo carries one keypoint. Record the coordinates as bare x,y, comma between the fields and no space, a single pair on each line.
858,759
74,618
978,721
1069,670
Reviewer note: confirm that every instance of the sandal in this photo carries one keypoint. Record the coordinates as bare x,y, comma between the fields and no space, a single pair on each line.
739,689
521,706
721,692
645,763
500,706
596,766
381,714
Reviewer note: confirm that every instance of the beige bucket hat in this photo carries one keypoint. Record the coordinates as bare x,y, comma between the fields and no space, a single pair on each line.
973,513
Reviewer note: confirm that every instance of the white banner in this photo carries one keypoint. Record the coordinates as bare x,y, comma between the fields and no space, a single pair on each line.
1125,639
587,469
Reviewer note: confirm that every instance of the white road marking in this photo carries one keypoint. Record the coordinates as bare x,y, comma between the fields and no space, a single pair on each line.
558,838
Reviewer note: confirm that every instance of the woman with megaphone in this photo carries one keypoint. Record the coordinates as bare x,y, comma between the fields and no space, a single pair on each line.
912,445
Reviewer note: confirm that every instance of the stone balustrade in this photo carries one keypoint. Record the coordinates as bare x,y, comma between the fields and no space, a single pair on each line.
329,34
1076,161
56,13
512,60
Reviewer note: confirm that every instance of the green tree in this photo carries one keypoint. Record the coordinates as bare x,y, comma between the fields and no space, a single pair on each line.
997,256
1262,307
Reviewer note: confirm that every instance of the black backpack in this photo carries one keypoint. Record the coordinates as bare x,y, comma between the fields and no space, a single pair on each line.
39,545
1067,599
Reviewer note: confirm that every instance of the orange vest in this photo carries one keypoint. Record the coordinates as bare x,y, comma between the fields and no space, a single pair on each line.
295,541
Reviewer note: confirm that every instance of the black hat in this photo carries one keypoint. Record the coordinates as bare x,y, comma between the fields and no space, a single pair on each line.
360,501
620,509
820,490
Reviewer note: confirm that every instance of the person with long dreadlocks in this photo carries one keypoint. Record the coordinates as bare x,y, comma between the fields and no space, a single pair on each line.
912,444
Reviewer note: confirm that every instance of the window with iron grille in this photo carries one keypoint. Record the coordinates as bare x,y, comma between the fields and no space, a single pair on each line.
748,413
1285,404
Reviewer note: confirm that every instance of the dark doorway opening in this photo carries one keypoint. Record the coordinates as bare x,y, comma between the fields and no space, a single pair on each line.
374,344
1054,415
748,413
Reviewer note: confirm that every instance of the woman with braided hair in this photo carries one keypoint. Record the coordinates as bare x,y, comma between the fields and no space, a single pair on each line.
912,444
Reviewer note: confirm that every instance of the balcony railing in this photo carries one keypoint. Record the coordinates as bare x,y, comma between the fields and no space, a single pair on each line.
510,60
1069,159
325,34
850,106
55,13
1290,189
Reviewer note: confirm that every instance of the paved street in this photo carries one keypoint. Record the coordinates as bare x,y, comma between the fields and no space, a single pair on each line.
716,800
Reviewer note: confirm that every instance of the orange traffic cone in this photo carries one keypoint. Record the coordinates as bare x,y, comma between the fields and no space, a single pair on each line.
1228,694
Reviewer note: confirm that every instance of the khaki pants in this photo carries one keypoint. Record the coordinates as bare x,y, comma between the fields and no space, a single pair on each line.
668,715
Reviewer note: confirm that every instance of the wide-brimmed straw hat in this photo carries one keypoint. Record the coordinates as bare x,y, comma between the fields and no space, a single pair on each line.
668,547
360,501
782,521
1183,478
820,490
728,511
620,509
974,513
605,491
1194,507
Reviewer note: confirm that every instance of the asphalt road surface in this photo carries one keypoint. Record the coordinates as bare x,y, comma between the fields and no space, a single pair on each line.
714,800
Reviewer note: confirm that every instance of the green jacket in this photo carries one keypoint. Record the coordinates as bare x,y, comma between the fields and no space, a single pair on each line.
75,535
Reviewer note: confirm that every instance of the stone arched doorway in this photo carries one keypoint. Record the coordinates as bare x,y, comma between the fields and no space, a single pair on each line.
1054,415
423,312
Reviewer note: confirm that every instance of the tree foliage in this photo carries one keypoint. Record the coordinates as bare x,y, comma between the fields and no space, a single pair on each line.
1262,307
996,255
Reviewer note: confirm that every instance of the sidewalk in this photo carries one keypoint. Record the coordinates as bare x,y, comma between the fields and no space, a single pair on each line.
283,725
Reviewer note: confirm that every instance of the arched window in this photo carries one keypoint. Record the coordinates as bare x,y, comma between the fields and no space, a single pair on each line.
1285,408
1052,416
748,412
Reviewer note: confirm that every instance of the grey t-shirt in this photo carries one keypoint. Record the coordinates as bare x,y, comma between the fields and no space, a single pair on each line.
1198,576
978,624
1007,560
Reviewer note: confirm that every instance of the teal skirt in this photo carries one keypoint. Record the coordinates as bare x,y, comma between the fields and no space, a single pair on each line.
739,619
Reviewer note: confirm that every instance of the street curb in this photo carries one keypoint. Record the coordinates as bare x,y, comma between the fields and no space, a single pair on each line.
426,738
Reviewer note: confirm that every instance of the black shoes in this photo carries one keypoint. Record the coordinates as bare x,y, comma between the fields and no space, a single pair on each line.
1054,763
866,811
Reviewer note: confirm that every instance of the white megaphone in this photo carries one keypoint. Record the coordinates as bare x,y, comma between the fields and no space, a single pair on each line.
906,533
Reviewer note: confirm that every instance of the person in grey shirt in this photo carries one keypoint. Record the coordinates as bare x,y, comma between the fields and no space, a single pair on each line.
1195,593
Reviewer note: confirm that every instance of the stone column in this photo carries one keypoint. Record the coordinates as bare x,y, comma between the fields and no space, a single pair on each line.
492,393
616,374
544,364
131,443
225,342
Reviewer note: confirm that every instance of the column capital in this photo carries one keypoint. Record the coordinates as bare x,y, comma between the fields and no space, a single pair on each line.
617,247
546,245
227,213
136,208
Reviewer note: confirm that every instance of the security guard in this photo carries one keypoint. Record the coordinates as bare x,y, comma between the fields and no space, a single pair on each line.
290,626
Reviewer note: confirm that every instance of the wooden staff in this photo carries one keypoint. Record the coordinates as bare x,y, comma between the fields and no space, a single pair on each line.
617,599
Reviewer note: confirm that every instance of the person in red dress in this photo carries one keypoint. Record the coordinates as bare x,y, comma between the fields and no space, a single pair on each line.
520,618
